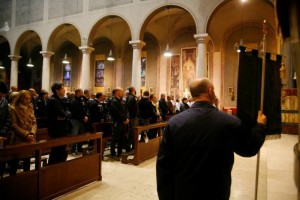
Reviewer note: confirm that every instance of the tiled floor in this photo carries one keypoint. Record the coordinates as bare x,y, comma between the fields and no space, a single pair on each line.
276,180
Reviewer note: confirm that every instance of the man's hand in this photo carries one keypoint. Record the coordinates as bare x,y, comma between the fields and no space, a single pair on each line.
126,121
261,118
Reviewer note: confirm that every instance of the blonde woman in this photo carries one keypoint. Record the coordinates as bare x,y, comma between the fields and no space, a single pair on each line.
24,126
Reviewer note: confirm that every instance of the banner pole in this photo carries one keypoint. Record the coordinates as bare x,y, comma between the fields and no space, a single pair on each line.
262,95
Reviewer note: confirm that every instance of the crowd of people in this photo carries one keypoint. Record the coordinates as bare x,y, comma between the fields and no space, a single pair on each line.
73,113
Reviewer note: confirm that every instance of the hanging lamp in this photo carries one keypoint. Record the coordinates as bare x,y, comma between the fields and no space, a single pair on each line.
65,60
167,52
110,55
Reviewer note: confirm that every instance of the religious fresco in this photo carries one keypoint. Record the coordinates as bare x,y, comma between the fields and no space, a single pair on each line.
99,73
188,61
143,71
175,75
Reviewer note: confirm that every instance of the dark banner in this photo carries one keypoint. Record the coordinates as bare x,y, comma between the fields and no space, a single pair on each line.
249,90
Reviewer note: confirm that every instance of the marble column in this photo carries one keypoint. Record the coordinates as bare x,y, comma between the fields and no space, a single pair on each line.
201,68
137,45
85,67
14,70
118,73
46,69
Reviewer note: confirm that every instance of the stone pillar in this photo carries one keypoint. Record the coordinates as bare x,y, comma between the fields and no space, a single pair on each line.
137,45
201,68
46,69
14,70
217,77
85,67
118,73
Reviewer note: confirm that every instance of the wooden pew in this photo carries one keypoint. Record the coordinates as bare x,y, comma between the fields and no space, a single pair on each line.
142,150
54,180
106,128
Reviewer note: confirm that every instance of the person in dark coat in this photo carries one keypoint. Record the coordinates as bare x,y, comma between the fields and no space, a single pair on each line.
133,110
163,107
120,118
183,105
196,154
59,124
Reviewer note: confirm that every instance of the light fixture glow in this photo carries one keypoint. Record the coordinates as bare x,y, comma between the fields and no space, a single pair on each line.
65,60
110,56
1,65
167,52
29,64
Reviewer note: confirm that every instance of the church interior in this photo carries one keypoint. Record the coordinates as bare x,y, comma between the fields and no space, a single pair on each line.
159,46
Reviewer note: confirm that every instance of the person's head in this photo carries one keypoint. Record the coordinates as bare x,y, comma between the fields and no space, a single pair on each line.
86,93
184,100
3,89
99,96
78,92
23,98
58,89
32,92
162,96
146,94
14,88
153,98
118,92
132,90
168,98
12,97
202,90
43,94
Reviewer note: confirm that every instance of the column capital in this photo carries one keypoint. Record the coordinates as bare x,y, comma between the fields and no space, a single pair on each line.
47,54
202,38
137,44
86,49
14,57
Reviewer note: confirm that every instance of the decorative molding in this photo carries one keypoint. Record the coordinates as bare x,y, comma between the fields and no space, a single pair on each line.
202,38
14,57
86,49
137,44
47,54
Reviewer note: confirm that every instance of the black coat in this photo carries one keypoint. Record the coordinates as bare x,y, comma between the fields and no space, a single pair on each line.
132,106
118,110
196,154
163,107
58,117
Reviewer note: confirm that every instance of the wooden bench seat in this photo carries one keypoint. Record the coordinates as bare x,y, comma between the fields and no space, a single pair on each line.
142,150
51,181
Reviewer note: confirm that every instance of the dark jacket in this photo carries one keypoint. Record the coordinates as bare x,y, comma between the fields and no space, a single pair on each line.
96,110
132,106
163,107
41,107
58,117
78,108
184,106
5,122
196,154
145,108
118,110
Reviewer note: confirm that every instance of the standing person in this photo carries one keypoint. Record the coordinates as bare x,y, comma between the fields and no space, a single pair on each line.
133,110
120,118
5,123
24,127
163,107
59,124
195,157
155,116
96,114
79,111
41,104
183,105
33,94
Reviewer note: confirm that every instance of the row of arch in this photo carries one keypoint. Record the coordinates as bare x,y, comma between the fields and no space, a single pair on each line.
164,24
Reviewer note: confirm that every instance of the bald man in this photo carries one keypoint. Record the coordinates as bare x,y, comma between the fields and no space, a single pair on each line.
120,117
196,154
